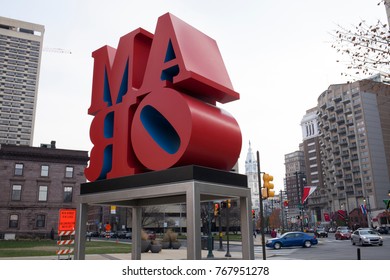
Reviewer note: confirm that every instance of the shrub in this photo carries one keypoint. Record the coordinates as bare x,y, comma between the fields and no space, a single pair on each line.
170,236
144,235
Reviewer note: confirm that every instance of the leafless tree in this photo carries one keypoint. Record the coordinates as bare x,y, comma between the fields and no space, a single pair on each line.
206,213
366,48
152,216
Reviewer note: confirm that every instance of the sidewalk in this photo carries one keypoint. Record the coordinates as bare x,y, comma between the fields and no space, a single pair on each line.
168,254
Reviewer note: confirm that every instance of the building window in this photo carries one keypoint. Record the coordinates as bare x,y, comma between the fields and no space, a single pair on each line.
44,170
69,172
42,193
40,221
68,193
19,169
14,221
16,192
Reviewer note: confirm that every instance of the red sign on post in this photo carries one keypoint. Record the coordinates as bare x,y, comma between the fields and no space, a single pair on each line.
67,220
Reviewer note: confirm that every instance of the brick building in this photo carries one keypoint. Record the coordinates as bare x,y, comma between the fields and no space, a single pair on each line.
34,184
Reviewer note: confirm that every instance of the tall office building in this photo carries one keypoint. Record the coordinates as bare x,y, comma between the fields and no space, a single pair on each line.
20,57
354,123
295,176
317,203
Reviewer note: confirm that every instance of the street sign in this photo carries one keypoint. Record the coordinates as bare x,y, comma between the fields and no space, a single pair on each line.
67,220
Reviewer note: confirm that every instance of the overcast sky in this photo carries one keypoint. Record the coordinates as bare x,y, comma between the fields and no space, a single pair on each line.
277,54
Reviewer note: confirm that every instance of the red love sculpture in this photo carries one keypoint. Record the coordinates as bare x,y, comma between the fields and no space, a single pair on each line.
153,102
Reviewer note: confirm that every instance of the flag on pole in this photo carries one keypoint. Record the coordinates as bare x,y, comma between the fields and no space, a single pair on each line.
307,191
364,209
326,217
342,214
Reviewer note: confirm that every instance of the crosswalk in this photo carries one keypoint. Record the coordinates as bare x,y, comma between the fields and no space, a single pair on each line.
272,252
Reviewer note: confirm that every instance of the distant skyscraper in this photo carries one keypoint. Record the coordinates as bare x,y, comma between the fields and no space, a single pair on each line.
253,181
295,172
20,58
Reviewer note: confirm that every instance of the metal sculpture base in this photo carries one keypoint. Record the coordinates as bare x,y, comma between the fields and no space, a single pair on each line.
189,184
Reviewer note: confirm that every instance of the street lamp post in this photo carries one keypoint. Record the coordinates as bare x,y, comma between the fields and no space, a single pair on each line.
347,209
366,205
210,237
228,255
387,208
343,208
220,234
282,209
299,197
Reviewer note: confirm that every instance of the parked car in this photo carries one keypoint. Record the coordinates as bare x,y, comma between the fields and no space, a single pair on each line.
367,228
124,234
321,232
332,230
106,234
366,237
295,238
342,234
383,230
151,235
342,227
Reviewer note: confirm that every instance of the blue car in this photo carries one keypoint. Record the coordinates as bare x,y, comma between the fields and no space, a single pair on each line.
289,239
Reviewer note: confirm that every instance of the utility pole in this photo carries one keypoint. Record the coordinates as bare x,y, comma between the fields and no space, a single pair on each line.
210,237
299,198
282,209
261,207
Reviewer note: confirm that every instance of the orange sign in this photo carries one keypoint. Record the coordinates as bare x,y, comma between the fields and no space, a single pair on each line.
67,219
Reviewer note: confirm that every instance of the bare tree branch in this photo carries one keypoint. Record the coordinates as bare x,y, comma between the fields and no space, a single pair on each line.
365,48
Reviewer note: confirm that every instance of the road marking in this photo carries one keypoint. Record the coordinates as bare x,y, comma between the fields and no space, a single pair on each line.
274,252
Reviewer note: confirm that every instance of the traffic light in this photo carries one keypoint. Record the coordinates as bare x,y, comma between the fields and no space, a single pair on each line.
253,214
228,203
268,185
223,204
217,210
264,193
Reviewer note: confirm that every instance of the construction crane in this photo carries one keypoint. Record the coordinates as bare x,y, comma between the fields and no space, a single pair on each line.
57,50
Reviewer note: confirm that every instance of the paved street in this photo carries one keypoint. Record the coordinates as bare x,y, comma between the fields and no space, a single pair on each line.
327,249
330,249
